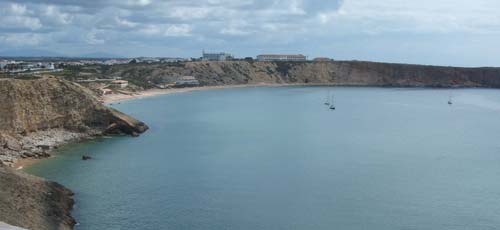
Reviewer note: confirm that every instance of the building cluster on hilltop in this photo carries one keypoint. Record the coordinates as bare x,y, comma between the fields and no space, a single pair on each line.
223,56
281,57
10,66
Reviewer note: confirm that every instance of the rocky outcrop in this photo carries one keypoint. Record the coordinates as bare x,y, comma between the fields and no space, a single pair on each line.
33,203
123,123
5,226
38,115
35,117
33,105
333,72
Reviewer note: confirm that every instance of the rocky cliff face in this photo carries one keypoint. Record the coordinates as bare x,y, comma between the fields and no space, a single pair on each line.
34,203
35,116
39,114
32,105
334,72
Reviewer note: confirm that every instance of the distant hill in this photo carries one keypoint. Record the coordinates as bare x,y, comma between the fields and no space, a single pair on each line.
356,73
29,53
100,55
46,53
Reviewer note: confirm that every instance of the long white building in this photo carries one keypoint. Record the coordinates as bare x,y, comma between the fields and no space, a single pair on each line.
217,56
281,57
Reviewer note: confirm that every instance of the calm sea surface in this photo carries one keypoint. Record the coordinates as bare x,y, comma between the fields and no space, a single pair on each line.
277,158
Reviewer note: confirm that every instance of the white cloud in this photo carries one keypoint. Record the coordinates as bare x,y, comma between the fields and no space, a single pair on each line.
258,25
94,38
53,13
424,16
176,30
139,2
125,22
17,16
20,22
21,39
18,9
188,13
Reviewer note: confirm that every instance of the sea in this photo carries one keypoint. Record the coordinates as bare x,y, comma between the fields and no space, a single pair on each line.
272,158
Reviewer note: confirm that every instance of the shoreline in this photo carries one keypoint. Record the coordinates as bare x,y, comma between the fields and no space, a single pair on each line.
112,98
23,163
54,141
119,97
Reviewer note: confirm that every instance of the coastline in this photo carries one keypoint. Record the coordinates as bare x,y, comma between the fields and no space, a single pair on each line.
119,97
23,163
111,98
40,115
27,162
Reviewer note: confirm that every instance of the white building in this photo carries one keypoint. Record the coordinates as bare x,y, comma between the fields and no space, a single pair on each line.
50,66
186,81
281,57
3,64
119,83
217,56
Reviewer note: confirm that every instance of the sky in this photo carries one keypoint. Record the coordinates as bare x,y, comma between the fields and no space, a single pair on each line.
436,32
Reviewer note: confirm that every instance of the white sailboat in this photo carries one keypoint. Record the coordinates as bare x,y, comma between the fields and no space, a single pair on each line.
449,100
327,101
332,104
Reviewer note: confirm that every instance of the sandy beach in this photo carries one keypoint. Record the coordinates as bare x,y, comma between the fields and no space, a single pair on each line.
110,98
26,162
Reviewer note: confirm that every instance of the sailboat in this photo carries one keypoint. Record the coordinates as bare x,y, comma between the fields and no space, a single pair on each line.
332,105
327,101
449,100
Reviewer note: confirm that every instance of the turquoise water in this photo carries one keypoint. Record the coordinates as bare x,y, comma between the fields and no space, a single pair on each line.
277,158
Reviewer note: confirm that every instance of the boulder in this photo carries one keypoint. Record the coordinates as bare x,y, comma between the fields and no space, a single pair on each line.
10,142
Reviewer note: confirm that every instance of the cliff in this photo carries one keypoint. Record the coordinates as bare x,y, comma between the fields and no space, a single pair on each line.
35,116
331,72
34,203
32,105
39,114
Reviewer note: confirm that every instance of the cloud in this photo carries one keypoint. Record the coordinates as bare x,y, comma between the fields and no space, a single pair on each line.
20,39
94,37
361,29
139,2
54,14
425,16
179,30
125,22
15,16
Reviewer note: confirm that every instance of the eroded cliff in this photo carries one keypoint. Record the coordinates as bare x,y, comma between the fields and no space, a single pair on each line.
35,116
34,203
331,72
39,114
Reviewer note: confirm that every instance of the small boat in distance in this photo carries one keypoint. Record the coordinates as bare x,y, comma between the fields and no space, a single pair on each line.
449,100
327,101
332,105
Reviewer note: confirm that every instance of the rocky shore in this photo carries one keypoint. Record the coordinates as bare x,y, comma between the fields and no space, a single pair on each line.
38,145
37,116
34,203
40,115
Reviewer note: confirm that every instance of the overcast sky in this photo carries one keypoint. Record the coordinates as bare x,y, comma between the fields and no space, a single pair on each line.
441,32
